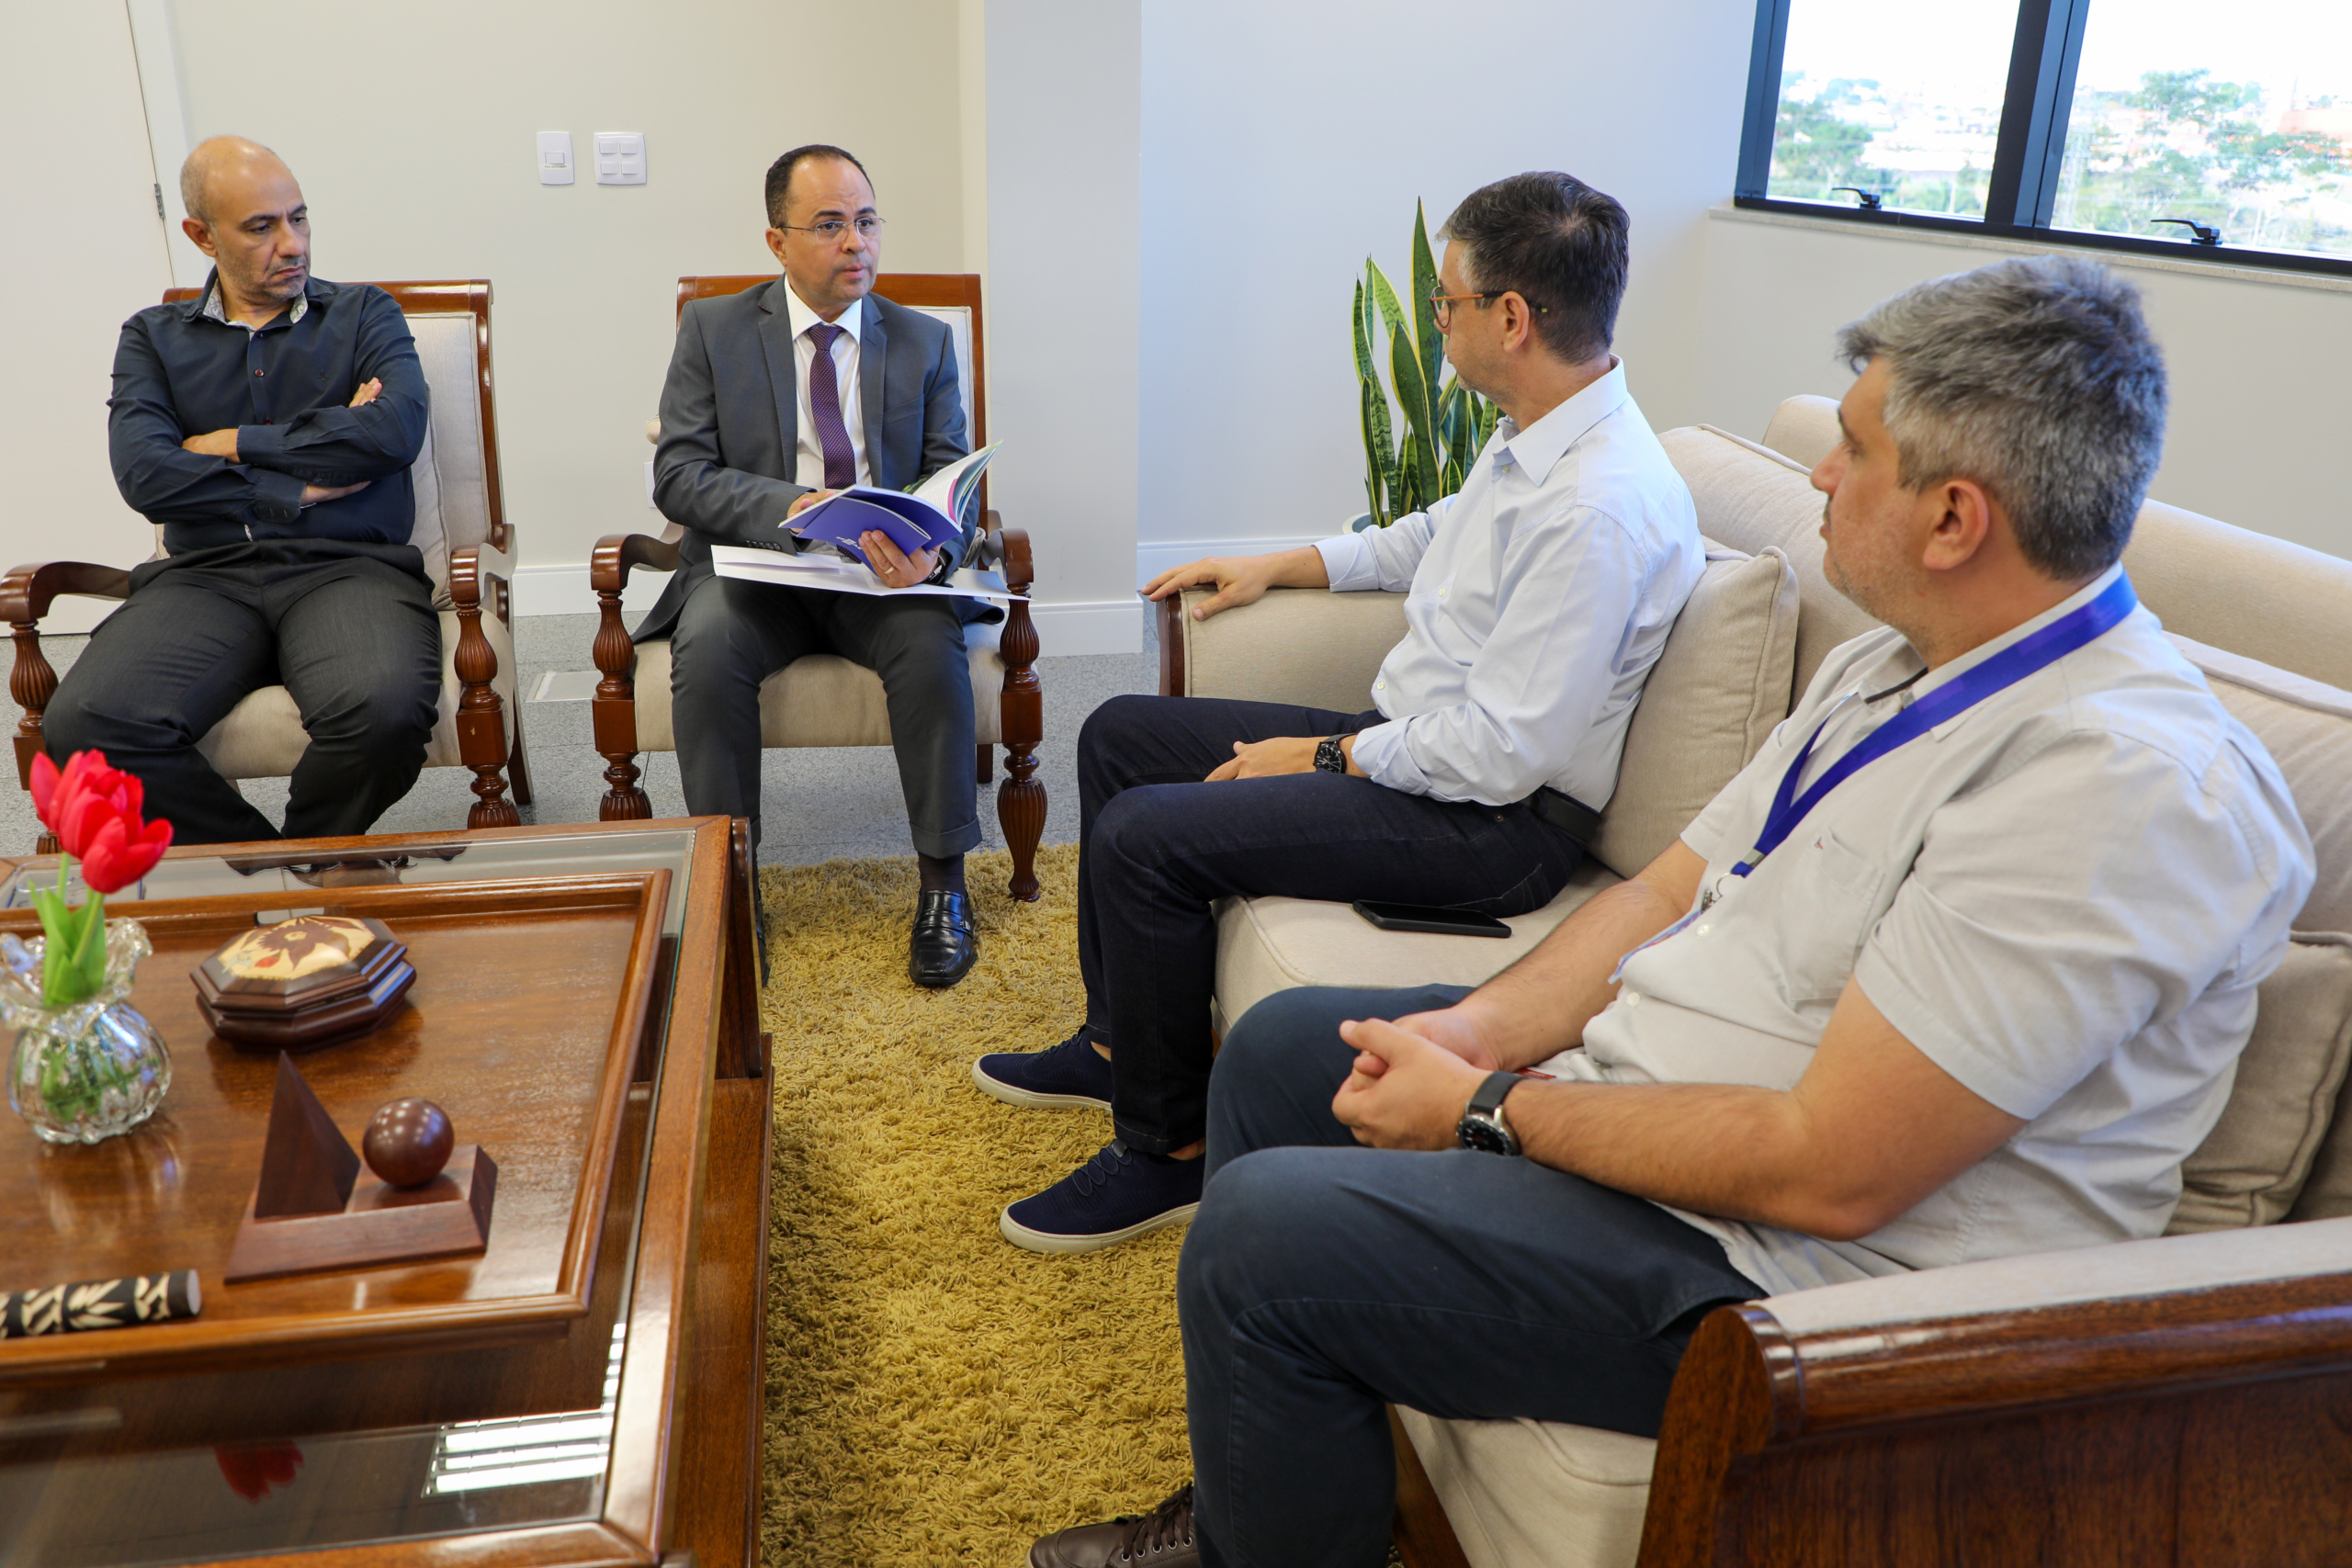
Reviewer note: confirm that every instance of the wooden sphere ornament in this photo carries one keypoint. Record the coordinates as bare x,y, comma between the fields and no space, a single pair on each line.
303,983
408,1141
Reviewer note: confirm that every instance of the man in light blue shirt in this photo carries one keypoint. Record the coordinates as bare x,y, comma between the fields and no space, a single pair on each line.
1538,599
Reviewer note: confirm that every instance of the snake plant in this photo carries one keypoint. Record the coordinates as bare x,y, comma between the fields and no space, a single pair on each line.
1420,453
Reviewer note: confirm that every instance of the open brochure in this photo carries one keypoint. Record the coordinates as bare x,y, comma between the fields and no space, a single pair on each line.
836,575
920,519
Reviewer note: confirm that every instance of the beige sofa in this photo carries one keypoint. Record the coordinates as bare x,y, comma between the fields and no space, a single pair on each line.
2265,621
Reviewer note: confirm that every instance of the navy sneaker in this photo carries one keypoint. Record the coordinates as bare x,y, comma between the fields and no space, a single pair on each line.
1117,1195
1072,1072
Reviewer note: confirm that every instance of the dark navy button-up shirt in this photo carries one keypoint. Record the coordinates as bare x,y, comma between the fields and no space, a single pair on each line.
285,388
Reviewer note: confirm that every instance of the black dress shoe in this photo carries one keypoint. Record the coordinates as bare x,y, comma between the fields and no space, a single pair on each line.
942,948
1162,1538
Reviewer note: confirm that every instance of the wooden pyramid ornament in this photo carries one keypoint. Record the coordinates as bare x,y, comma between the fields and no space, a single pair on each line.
315,1208
306,1165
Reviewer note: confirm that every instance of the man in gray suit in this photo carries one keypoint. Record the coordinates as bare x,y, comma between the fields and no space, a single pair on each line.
778,396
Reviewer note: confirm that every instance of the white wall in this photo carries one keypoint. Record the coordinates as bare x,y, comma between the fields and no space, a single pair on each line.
413,134
1064,132
1284,142
89,250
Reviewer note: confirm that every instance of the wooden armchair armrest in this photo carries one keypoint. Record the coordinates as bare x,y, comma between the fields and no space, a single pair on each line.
618,554
482,716
27,592
1307,646
2071,1356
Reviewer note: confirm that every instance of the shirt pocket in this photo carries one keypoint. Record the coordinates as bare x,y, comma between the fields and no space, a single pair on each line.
1830,899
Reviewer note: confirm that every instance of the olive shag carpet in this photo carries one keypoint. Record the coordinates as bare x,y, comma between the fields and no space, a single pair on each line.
933,1394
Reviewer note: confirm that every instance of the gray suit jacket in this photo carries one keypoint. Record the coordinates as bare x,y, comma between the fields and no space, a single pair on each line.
725,469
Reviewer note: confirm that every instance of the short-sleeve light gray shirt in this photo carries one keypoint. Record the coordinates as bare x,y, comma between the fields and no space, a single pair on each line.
2065,896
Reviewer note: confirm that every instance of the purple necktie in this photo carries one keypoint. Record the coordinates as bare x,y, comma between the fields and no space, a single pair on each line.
825,409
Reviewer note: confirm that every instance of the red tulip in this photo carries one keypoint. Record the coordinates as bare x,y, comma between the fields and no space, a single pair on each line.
123,851
252,1469
78,800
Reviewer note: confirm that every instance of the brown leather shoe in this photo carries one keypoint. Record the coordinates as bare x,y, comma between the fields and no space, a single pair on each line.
1162,1538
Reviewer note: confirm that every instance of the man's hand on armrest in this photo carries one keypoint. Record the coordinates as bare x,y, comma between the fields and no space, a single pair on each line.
1241,580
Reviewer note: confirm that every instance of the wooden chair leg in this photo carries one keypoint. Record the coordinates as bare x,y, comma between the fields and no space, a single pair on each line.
1020,800
481,721
614,713
987,762
31,681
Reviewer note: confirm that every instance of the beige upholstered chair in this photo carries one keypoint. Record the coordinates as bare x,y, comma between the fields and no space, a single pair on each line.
469,550
825,700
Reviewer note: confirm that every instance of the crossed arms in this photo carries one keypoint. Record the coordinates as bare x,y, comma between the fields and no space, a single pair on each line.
1873,1127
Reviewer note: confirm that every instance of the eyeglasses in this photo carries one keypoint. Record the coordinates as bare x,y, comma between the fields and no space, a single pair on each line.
833,229
1443,304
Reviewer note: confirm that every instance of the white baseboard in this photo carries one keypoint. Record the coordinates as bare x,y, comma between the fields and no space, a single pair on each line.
1104,626
1153,559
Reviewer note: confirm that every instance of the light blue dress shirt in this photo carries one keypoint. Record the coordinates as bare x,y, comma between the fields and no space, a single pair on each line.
1538,597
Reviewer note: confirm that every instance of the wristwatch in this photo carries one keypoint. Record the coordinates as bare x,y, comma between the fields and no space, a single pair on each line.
1329,758
1482,1126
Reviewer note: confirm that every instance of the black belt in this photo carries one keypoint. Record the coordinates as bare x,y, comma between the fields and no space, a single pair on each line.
1566,813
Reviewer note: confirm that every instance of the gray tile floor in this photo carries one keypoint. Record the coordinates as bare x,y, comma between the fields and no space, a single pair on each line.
819,804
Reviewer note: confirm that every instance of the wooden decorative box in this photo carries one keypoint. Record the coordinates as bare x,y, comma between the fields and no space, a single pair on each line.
303,983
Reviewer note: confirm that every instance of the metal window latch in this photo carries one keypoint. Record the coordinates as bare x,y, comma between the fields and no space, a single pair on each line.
2201,233
1868,199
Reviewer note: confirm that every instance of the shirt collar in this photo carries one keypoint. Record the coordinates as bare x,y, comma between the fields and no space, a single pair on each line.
210,305
1541,444
796,311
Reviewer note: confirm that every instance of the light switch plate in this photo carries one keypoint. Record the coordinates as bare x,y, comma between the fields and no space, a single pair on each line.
620,157
556,167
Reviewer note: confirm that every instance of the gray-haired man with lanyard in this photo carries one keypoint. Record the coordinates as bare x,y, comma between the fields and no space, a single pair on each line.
1957,968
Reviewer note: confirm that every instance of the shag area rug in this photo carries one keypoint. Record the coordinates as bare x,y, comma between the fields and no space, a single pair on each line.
935,1396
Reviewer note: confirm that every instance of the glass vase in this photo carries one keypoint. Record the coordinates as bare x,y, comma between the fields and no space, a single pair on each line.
85,1073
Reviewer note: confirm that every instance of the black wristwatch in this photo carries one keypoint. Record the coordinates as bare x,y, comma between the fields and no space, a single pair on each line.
1329,758
1482,1126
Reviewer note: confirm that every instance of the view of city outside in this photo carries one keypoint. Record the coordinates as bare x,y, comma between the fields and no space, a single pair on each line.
2241,123
1899,98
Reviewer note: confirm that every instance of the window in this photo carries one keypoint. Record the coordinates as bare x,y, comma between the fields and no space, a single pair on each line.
2150,126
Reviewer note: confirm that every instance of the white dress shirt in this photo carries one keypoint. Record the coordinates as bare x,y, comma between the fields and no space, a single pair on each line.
811,469
1540,596
2063,896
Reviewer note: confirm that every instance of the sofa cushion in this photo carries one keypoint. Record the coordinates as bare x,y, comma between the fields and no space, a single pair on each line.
1528,1495
1719,686
2254,1163
1264,945
1307,646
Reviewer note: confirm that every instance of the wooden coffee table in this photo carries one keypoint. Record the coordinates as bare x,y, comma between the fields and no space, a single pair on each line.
394,1414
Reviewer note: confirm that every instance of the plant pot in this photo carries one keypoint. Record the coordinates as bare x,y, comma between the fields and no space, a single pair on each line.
85,1073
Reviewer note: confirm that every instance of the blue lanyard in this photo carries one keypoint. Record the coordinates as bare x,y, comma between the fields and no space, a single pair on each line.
1964,691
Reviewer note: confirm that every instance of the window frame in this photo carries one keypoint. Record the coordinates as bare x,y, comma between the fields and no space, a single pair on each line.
2023,187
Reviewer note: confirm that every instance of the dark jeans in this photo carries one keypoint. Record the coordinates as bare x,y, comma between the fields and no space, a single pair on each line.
1322,1281
1157,846
732,635
353,638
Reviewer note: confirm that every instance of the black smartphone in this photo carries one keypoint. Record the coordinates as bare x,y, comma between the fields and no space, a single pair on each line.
1423,917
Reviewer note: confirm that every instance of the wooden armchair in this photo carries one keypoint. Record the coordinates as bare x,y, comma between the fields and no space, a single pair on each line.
469,548
825,700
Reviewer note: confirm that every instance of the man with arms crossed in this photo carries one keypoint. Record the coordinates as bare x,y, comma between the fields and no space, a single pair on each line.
268,426
1958,967
778,398
1540,595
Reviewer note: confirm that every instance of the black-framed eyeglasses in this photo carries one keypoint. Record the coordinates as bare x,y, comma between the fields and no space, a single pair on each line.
1443,304
834,228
